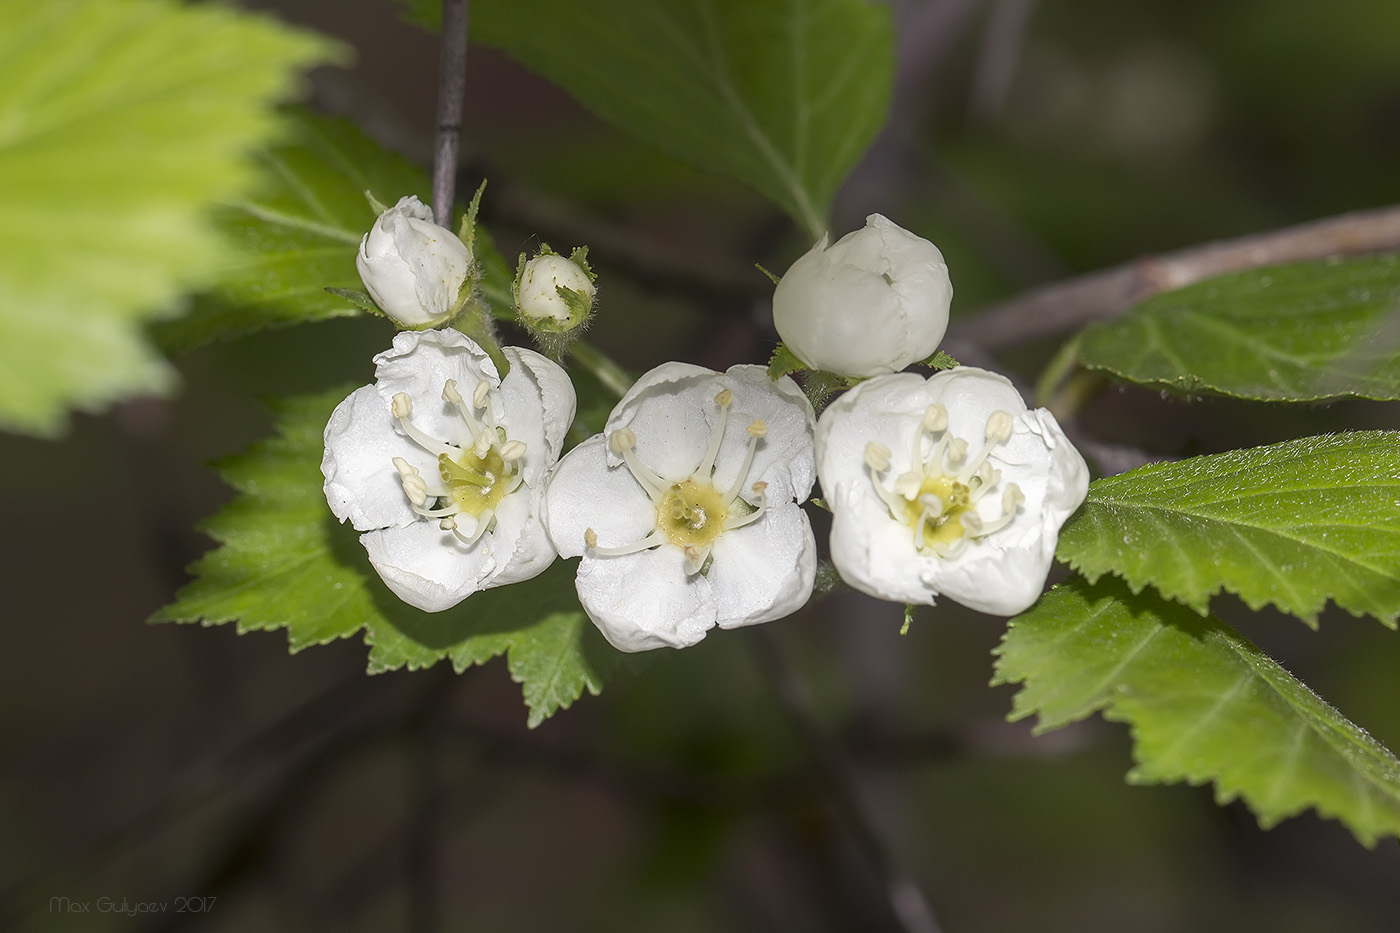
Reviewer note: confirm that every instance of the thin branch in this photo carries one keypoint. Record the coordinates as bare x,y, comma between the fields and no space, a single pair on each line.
1065,305
906,899
452,91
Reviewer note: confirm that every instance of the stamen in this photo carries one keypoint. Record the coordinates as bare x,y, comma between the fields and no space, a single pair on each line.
694,558
512,451
957,450
453,397
935,419
1011,498
999,425
451,508
757,429
706,469
908,485
623,442
482,447
483,522
760,489
877,456
413,485
590,538
481,398
402,408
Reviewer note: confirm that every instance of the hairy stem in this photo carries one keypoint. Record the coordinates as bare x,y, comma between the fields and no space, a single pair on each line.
452,91
1062,306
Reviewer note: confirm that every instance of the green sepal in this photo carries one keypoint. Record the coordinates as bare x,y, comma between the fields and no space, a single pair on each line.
359,299
939,360
784,362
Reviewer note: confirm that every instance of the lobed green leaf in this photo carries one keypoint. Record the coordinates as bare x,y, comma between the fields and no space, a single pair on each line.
283,561
121,125
1292,524
782,95
1301,332
1202,702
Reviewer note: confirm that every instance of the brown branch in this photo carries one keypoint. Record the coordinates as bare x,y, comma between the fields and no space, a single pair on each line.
1097,296
452,92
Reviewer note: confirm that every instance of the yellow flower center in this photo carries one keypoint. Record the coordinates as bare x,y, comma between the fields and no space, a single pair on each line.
937,497
692,513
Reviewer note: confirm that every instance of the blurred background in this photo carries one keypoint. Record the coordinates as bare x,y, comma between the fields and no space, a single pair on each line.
1030,141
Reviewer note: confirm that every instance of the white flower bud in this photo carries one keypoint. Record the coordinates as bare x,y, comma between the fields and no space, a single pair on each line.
537,292
873,302
413,268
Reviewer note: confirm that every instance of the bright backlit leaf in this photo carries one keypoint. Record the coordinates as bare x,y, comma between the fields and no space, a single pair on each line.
1292,524
1302,332
1203,704
121,124
283,561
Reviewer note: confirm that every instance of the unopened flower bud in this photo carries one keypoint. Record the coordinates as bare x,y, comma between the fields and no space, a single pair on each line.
414,269
873,302
555,293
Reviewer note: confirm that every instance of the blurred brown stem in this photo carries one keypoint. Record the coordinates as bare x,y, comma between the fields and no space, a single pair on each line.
1062,306
452,91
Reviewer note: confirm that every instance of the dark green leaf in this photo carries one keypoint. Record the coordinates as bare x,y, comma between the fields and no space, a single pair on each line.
1203,703
1292,524
1302,332
783,95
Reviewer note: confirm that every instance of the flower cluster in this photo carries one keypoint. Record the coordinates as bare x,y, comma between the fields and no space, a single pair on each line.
685,512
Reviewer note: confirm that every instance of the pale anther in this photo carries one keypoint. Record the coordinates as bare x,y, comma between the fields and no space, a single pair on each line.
999,425
935,419
481,394
759,487
450,393
482,447
590,537
877,456
1012,497
758,428
402,405
448,524
623,439
957,450
724,399
512,450
908,485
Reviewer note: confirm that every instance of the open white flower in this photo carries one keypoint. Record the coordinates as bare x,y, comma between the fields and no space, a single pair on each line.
685,511
413,269
946,485
441,462
873,302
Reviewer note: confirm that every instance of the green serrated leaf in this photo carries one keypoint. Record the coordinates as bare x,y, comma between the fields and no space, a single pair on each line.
1203,703
1301,332
121,124
939,360
1292,524
297,230
283,561
782,95
783,362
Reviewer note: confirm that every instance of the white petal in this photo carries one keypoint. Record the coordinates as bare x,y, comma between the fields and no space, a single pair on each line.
419,363
884,409
362,484
784,457
670,409
646,600
874,553
584,491
539,405
427,567
519,543
764,571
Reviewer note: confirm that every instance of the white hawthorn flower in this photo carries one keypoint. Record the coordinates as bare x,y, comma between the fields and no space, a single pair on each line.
441,463
873,302
538,293
685,510
413,269
946,485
